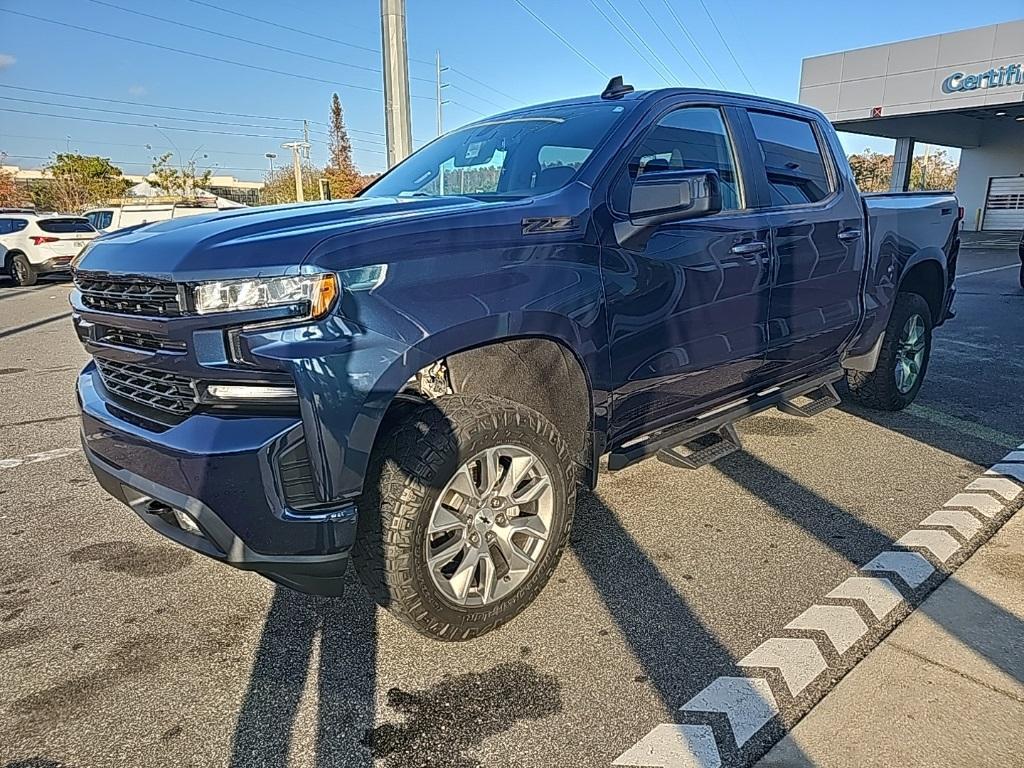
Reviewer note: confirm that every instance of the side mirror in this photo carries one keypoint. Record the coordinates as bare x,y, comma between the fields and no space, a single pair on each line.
661,197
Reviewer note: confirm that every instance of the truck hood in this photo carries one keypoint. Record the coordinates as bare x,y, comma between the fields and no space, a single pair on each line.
248,241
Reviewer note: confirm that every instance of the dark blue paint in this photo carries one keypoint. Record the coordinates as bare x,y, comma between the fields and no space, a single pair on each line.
662,331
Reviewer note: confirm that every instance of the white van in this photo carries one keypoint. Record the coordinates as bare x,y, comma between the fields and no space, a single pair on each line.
120,216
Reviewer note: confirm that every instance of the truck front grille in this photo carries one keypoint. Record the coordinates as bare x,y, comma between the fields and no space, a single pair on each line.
130,296
147,386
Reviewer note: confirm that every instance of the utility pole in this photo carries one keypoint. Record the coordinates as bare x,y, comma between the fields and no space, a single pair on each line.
397,119
440,85
296,147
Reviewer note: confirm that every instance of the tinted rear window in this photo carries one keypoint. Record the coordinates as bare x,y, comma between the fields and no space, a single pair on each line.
65,226
796,170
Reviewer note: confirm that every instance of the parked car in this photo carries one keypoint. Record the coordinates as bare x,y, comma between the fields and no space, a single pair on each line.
417,380
37,244
1020,252
115,217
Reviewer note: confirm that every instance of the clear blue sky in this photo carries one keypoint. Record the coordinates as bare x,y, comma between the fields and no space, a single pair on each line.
496,42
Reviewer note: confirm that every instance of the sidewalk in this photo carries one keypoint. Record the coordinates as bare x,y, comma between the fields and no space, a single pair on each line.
946,688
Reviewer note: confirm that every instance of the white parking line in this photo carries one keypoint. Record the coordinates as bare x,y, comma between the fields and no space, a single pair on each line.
34,458
986,271
749,703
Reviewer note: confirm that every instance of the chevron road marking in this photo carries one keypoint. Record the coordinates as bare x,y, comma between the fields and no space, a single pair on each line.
841,624
982,503
798,660
962,522
879,595
939,543
749,703
746,701
910,566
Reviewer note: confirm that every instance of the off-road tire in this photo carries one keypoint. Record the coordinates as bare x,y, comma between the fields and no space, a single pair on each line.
22,271
877,389
409,467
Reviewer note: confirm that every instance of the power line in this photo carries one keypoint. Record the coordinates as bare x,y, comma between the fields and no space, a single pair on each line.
226,36
479,98
727,46
146,125
178,109
152,106
565,42
130,162
485,85
645,44
697,48
204,56
672,43
136,145
629,42
145,114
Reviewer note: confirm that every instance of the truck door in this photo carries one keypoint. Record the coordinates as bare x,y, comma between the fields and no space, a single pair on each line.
817,240
687,309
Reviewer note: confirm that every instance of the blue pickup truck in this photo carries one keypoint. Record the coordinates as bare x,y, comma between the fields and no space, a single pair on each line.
419,379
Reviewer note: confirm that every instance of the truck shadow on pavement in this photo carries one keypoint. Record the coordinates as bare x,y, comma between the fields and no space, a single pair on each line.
439,726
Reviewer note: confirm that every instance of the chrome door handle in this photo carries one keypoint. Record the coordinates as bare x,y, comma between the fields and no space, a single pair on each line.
749,249
848,235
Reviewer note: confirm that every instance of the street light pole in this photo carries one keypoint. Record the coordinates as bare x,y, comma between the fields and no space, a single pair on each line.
397,121
271,157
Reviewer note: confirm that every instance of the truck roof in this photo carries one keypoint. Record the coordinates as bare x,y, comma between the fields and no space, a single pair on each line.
648,95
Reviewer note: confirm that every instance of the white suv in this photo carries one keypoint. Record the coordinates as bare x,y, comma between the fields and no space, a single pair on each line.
36,244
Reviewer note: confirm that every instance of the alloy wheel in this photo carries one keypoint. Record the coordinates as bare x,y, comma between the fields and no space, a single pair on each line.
910,353
490,526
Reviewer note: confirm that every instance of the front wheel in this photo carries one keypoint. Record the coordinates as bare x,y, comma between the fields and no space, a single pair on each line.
466,511
903,360
22,271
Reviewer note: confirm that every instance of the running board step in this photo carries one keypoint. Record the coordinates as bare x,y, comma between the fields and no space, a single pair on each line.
713,422
813,403
703,450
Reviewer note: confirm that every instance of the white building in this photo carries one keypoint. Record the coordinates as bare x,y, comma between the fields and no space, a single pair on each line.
962,89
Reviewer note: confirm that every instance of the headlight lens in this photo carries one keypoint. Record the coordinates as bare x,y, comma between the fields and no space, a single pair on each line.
320,291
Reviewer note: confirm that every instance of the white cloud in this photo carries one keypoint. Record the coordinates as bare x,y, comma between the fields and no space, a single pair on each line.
6,60
137,90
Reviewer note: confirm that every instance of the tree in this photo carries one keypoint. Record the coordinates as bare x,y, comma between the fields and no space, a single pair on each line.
10,195
279,185
873,171
183,181
341,171
78,182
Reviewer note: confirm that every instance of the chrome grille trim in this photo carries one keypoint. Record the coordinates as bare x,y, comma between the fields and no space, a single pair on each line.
162,390
130,296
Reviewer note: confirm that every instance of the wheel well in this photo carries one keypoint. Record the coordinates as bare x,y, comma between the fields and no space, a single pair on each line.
538,373
9,257
925,279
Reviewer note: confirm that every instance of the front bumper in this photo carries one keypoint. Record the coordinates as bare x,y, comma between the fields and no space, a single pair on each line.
219,470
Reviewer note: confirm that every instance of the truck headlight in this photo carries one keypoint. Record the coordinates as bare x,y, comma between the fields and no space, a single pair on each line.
319,291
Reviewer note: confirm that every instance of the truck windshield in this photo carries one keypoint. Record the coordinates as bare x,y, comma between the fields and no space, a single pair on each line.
515,156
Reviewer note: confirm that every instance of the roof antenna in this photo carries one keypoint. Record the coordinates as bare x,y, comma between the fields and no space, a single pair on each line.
616,89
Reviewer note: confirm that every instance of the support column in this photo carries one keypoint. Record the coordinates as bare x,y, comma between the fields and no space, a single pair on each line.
397,121
903,156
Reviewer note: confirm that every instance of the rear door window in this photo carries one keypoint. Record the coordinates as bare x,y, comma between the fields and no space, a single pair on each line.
18,224
65,226
6,226
793,160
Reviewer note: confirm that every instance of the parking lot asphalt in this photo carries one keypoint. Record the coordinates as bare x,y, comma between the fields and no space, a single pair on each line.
118,648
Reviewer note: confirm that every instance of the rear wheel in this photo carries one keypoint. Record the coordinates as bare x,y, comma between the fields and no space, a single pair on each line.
903,360
22,271
467,509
